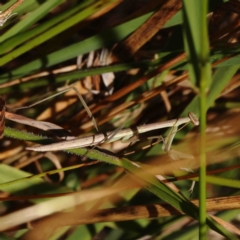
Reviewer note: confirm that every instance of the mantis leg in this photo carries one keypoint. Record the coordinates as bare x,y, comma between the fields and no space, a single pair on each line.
176,155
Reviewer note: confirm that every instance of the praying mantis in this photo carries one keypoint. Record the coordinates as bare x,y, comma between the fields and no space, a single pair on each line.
122,134
126,134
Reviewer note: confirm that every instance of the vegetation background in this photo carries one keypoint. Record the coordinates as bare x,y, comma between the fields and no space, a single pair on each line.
134,62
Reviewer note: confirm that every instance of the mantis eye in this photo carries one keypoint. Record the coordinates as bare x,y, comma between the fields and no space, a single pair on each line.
193,118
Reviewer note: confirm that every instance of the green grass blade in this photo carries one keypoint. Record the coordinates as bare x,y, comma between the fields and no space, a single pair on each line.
53,32
197,47
233,183
221,78
93,43
20,38
32,18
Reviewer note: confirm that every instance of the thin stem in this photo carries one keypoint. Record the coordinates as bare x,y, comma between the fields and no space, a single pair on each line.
204,79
